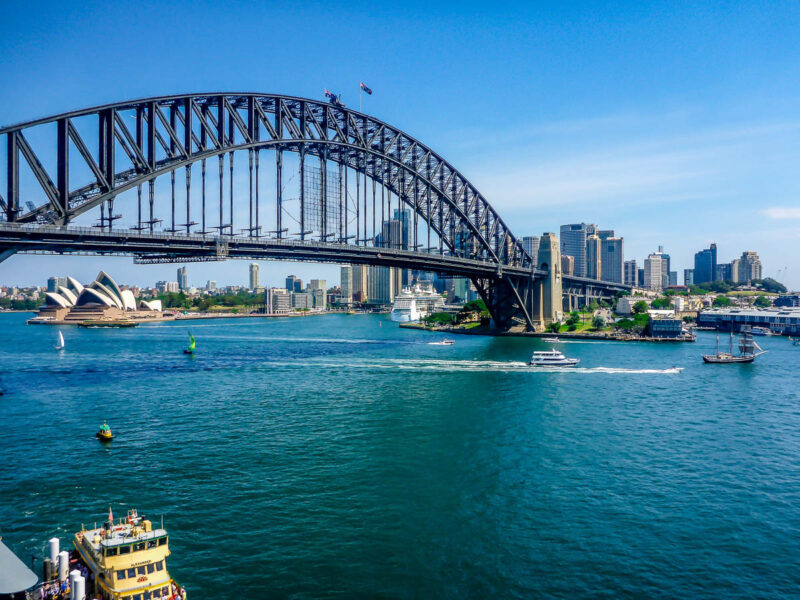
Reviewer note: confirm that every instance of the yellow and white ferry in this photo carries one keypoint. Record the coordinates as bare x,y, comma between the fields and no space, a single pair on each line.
128,559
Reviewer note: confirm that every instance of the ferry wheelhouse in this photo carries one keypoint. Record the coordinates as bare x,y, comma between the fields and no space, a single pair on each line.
128,559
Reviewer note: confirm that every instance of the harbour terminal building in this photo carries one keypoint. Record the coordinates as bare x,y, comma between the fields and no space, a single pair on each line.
102,299
778,320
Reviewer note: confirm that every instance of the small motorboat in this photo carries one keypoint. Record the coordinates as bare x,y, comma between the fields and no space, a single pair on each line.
444,342
190,349
552,358
551,340
60,345
105,435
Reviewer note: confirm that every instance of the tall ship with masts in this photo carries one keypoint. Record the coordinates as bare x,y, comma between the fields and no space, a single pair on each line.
748,350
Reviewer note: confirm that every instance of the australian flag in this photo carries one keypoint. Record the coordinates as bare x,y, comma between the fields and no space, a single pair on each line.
333,98
366,89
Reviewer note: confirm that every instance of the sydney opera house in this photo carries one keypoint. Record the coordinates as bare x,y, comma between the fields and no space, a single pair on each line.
100,300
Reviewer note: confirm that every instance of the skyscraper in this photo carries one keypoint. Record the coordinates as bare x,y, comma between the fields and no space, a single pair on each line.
749,267
293,284
382,284
567,265
612,259
573,242
531,245
183,279
630,273
688,277
360,292
653,272
705,265
594,269
254,276
346,273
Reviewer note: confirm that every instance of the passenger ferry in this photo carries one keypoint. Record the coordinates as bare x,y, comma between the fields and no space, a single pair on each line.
127,559
416,303
552,358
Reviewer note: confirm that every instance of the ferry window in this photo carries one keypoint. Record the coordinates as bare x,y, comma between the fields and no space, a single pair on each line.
151,567
160,565
111,551
152,544
124,549
164,591
139,546
137,597
120,574
162,541
140,570
146,596
131,573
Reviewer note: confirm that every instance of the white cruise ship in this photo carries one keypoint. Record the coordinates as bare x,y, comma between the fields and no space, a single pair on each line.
416,303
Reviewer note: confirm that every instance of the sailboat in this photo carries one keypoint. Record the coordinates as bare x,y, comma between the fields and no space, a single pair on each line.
747,350
190,349
60,345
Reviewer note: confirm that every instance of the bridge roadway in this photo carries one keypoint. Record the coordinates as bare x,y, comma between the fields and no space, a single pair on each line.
178,247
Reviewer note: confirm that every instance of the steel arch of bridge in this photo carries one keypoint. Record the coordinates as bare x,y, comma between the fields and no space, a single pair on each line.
188,129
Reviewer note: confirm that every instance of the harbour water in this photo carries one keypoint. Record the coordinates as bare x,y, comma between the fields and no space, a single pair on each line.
341,456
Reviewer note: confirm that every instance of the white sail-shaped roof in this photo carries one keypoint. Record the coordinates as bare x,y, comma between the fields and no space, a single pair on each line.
128,300
68,294
91,296
96,285
55,299
150,305
111,285
75,285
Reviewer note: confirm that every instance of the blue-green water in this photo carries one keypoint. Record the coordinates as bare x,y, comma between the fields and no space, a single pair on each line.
340,456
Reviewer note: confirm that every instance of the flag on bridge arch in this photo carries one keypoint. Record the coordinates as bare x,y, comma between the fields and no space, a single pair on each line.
365,88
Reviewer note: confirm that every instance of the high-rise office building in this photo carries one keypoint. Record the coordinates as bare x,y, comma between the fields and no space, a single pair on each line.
346,285
604,234
254,283
293,284
673,278
53,283
688,277
612,259
531,245
318,284
640,277
653,276
183,279
723,272
360,292
705,265
594,269
567,264
749,267
630,273
211,285
382,284
573,242
735,268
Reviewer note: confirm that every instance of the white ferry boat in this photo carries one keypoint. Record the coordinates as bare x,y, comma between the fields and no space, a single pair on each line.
552,358
416,303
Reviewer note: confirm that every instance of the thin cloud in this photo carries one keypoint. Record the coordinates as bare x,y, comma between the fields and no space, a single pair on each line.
782,212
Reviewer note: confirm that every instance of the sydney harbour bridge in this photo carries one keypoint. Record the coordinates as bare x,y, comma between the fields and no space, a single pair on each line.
258,176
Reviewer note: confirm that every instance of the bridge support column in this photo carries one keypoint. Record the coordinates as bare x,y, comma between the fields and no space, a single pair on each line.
551,293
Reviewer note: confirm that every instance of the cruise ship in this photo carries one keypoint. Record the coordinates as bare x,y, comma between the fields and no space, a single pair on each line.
416,303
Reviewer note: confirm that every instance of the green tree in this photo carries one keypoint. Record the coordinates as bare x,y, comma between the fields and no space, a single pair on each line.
769,285
762,302
598,322
660,303
624,324
554,327
640,307
722,301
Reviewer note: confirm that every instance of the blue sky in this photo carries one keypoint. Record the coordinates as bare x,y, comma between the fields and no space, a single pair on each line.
675,125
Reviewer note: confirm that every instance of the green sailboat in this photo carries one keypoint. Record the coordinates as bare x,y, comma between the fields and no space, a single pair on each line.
190,349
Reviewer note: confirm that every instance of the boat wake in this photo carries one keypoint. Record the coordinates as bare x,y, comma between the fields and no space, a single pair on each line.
471,366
